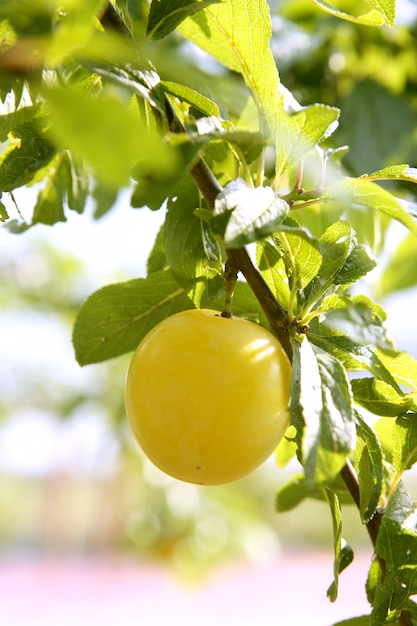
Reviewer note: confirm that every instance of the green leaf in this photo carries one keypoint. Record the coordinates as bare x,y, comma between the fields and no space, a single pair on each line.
356,356
397,546
92,127
157,260
144,83
381,399
397,274
244,214
196,99
66,183
192,254
237,34
10,118
28,17
114,319
104,199
78,184
3,213
296,490
356,317
293,493
322,392
343,554
402,366
49,207
394,172
369,464
405,442
271,264
382,12
211,130
299,131
166,15
359,262
25,155
300,252
368,195
335,245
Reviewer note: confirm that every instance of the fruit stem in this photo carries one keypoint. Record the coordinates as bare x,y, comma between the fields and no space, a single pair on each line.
230,278
240,261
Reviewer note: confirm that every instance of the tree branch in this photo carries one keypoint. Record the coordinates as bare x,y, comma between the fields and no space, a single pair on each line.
350,479
241,261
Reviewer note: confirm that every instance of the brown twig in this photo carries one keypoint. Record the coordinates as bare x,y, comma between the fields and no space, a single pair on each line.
350,479
241,261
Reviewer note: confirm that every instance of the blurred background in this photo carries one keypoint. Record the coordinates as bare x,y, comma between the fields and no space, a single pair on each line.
90,532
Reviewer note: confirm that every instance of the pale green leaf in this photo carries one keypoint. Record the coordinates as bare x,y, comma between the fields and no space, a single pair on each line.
368,464
343,554
295,491
3,213
49,207
196,99
381,12
381,399
192,254
92,128
298,131
24,156
402,366
114,319
356,317
301,254
244,214
359,262
394,172
11,117
397,546
325,404
405,441
335,245
271,264
368,195
357,356
166,15
157,260
237,34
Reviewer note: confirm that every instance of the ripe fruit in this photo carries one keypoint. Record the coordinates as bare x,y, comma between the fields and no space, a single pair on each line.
207,396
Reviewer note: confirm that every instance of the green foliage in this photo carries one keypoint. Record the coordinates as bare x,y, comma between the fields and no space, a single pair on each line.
243,214
165,17
114,319
380,13
92,108
396,550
